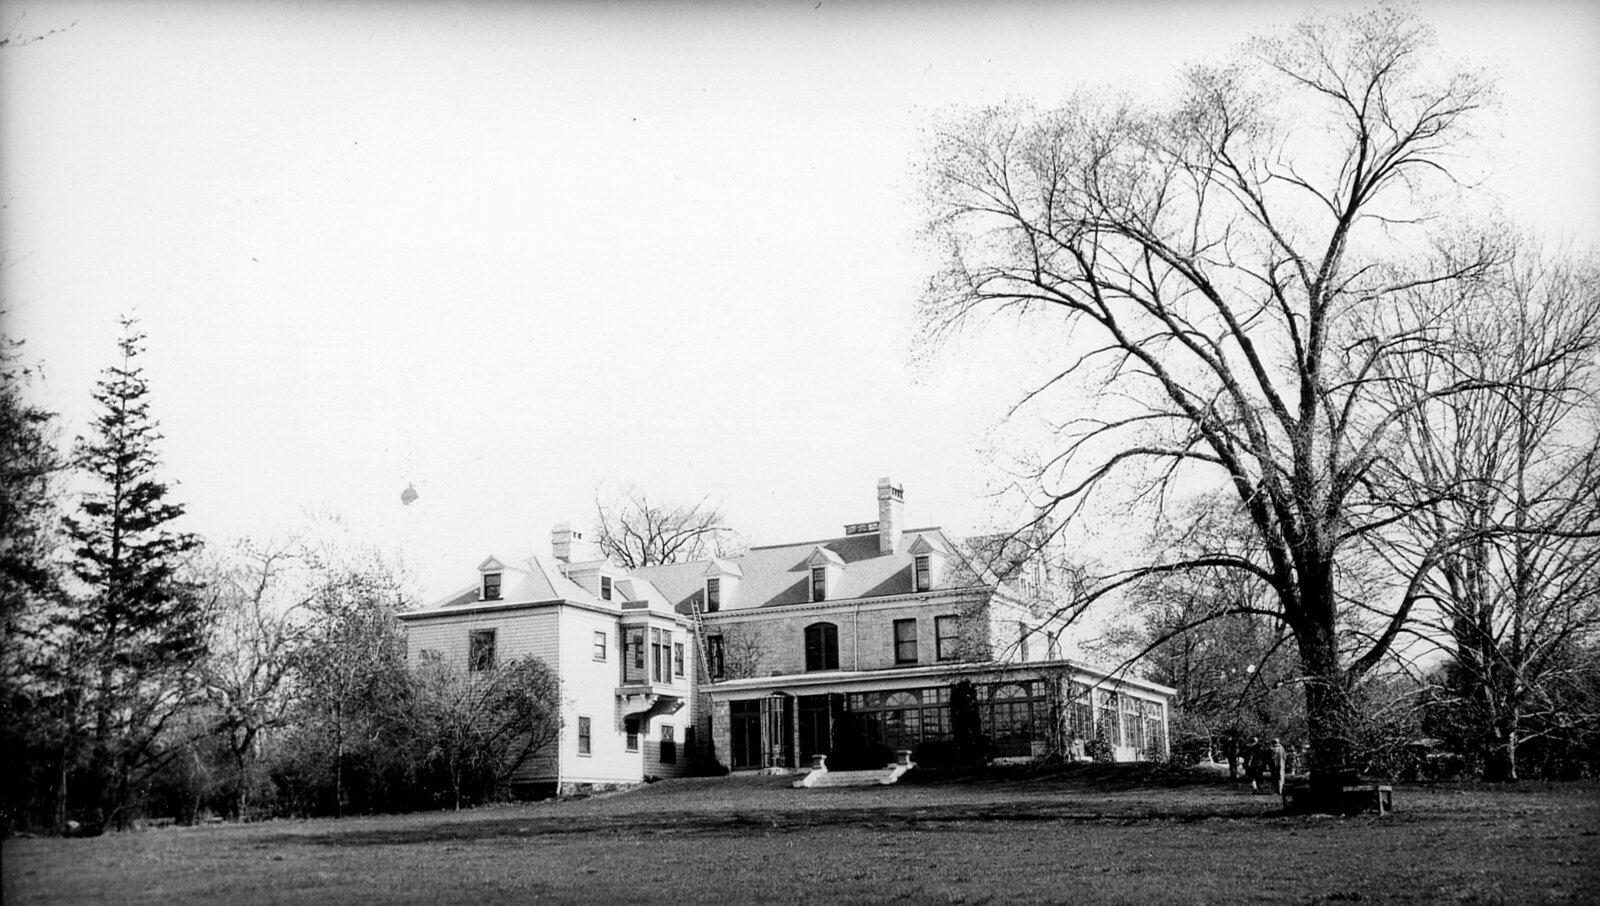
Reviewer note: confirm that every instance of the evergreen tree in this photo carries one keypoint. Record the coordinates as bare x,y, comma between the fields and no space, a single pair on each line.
137,632
29,466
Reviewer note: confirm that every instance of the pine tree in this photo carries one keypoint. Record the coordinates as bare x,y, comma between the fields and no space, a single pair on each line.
28,466
29,587
137,633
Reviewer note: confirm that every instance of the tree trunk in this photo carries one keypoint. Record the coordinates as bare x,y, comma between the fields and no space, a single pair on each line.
1330,718
1500,761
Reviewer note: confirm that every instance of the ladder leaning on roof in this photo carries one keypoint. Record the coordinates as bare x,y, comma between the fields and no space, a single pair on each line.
698,627
703,678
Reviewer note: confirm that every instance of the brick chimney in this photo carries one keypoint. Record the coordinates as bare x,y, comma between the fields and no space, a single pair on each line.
891,515
567,544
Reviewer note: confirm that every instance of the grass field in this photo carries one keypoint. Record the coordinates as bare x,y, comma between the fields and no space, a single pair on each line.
1085,834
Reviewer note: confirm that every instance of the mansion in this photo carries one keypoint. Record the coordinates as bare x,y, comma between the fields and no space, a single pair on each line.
854,647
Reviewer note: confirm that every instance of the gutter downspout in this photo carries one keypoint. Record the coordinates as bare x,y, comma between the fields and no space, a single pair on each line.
855,632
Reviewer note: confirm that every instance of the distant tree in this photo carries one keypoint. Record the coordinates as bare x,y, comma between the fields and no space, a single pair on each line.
138,627
636,530
1208,637
345,736
263,592
476,729
30,465
1504,536
743,651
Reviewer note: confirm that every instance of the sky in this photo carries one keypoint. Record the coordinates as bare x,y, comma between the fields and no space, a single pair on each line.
516,255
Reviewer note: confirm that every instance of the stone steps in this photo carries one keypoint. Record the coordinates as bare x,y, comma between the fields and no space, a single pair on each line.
820,778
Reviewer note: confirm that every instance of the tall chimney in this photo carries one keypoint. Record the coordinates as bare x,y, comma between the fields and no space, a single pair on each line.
891,515
562,537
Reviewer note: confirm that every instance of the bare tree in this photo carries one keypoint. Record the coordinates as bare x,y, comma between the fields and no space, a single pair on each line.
1507,549
257,641
635,530
478,729
742,652
1211,258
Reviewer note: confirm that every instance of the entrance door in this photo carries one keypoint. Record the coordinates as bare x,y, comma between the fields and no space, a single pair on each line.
777,725
816,726
744,719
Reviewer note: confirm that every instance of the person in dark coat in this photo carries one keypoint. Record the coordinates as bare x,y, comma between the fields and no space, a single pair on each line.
1255,763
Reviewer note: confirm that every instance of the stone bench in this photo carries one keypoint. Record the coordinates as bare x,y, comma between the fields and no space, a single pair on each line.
1366,797
1354,799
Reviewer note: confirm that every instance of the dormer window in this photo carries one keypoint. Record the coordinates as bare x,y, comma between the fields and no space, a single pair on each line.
927,557
491,586
827,572
713,595
605,588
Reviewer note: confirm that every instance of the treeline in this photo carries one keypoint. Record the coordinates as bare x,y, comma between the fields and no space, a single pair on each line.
144,674
1432,718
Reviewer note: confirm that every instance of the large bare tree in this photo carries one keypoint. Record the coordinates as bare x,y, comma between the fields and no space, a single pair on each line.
1215,258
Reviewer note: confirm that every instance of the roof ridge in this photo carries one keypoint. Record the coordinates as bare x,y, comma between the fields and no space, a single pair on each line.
768,547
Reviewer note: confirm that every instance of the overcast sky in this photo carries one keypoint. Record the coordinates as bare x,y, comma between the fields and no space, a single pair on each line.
509,252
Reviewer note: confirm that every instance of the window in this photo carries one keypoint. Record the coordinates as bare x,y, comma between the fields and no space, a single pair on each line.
630,726
633,654
1053,645
599,645
1079,713
716,661
1022,641
1009,718
480,650
924,575
1131,725
677,659
713,595
819,583
491,586
669,745
944,638
822,646
905,641
583,736
660,656
605,588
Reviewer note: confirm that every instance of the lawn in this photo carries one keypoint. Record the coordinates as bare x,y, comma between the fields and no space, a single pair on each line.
1085,834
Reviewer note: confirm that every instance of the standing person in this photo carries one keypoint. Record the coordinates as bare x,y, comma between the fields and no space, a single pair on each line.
1277,765
1253,764
1230,751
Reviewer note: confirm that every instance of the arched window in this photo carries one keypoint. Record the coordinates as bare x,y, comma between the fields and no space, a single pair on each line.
822,646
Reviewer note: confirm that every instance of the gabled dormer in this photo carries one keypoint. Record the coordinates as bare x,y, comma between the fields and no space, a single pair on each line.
826,569
927,563
491,577
721,584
